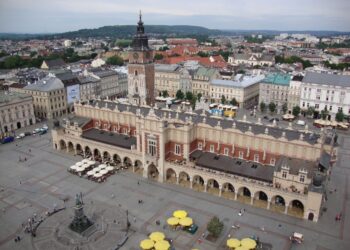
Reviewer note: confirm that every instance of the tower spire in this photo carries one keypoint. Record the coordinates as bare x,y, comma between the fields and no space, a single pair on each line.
140,15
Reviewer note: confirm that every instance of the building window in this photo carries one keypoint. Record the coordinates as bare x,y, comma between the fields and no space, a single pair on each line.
211,148
200,146
256,157
284,174
152,147
302,178
330,108
240,155
317,106
105,126
177,149
225,151
96,124
273,161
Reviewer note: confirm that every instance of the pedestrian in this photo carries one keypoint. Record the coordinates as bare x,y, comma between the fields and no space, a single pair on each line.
30,150
138,182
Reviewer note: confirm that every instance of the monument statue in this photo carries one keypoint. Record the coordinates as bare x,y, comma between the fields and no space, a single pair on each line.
80,221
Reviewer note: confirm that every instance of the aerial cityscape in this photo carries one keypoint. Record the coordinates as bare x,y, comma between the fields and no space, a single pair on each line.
163,125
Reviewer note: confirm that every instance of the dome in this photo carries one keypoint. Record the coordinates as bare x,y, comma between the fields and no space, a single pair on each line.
317,180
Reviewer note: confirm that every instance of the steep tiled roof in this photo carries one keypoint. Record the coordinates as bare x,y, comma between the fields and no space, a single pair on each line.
327,79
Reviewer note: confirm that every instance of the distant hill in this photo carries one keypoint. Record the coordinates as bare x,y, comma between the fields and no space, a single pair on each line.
124,31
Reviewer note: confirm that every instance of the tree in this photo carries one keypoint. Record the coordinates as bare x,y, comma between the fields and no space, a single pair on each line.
158,56
223,99
262,107
189,96
180,95
115,60
272,107
284,108
324,113
199,96
215,227
296,111
339,116
234,102
165,93
193,102
310,111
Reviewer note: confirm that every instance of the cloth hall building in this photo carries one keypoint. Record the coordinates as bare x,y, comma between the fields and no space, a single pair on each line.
265,166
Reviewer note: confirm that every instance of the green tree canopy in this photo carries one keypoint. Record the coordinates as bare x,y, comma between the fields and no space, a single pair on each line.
339,116
324,113
223,99
189,95
165,93
272,107
284,108
199,96
310,110
296,111
115,60
234,102
158,56
215,227
180,95
262,107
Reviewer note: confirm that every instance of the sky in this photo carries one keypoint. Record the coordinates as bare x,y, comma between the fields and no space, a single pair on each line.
52,16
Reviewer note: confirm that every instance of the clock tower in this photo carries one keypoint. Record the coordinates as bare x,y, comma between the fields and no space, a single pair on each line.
140,69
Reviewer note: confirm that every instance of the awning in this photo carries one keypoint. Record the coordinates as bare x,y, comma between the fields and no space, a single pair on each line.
180,214
146,244
233,243
248,243
157,236
173,221
162,245
187,221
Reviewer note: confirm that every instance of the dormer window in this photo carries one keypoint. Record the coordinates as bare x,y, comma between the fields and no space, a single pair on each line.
240,155
96,124
284,174
226,151
256,157
211,148
200,146
302,178
273,161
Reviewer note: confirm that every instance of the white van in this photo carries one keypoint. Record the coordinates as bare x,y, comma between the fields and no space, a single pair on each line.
301,122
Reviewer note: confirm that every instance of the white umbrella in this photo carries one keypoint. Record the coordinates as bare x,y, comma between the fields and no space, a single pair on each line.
85,161
109,168
102,166
91,162
74,167
104,171
98,175
78,164
79,169
90,173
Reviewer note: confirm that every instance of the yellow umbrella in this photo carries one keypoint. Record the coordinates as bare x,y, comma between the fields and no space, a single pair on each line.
248,243
180,214
146,244
241,248
172,221
187,221
162,245
233,243
157,236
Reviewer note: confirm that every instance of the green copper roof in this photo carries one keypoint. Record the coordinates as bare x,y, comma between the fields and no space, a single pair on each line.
278,79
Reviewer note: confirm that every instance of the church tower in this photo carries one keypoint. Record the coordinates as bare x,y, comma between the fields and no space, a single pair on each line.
140,69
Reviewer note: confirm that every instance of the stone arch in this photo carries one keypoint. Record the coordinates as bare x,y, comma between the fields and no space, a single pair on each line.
296,208
70,147
213,187
261,199
184,179
171,176
79,149
106,156
138,167
278,204
244,195
97,154
116,159
87,151
198,183
127,162
63,145
152,172
311,216
228,191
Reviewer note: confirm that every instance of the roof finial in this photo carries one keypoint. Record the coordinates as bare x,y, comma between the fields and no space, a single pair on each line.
140,16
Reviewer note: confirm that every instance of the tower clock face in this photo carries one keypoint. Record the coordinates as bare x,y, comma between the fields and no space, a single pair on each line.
136,55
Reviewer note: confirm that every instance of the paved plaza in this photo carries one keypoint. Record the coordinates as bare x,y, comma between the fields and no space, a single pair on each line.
42,182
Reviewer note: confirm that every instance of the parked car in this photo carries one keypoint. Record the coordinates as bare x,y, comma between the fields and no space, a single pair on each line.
266,117
37,130
7,139
301,122
27,133
42,131
20,136
276,119
45,127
